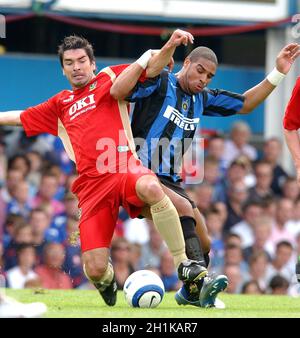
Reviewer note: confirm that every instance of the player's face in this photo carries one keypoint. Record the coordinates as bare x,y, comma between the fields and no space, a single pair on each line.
197,75
77,67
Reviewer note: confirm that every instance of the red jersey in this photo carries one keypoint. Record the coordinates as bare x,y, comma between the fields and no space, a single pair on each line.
291,119
89,121
89,115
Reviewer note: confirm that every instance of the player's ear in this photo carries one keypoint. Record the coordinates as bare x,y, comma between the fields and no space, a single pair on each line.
186,62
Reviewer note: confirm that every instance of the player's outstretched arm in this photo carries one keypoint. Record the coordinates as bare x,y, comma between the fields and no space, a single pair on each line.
293,142
164,56
153,61
256,95
11,118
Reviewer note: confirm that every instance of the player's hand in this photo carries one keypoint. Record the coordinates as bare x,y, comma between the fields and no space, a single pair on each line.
286,57
180,37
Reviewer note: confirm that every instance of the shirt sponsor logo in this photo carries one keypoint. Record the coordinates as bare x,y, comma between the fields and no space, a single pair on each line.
181,121
82,106
71,97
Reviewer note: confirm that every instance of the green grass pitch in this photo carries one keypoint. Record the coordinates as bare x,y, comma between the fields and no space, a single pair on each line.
88,304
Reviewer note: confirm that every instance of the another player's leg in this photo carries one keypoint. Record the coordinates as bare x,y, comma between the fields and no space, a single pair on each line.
95,234
192,244
11,308
166,219
204,292
213,284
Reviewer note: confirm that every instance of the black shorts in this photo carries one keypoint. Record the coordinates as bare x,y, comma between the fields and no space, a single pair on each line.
176,187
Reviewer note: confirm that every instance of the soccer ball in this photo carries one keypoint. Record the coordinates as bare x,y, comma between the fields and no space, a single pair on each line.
144,288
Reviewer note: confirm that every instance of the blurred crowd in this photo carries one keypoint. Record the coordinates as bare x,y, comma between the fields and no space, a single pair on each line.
251,206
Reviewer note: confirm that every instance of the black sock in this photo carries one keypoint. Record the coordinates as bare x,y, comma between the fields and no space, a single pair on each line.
192,244
207,259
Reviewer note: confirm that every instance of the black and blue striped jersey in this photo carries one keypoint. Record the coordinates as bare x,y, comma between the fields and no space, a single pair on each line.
165,119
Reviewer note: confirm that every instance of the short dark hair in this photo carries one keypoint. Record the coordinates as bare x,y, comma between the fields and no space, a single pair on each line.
203,52
75,42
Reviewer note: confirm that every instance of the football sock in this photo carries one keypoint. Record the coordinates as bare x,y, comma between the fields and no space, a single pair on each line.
192,243
166,220
207,259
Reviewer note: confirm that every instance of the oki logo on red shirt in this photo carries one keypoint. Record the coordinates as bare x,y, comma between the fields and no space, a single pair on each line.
82,106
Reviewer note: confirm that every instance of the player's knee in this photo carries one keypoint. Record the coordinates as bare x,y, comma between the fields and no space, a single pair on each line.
95,269
183,207
150,191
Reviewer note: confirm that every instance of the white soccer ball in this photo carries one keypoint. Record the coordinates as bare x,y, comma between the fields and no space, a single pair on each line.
144,288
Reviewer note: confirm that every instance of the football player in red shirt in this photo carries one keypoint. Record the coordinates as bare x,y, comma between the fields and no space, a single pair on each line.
291,124
95,130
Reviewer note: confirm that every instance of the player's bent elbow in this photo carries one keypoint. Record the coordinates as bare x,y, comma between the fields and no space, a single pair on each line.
244,111
116,93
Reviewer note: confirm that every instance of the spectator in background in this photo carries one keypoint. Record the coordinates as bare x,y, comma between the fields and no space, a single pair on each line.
236,172
293,224
120,255
234,256
11,222
135,253
235,278
36,162
222,210
272,149
264,176
21,163
269,206
3,162
152,251
54,169
213,177
20,274
20,201
278,285
22,234
284,212
251,211
214,224
282,264
233,239
258,266
13,178
291,189
168,272
262,227
203,196
47,190
51,273
237,196
251,288
215,150
1,259
42,233
238,144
